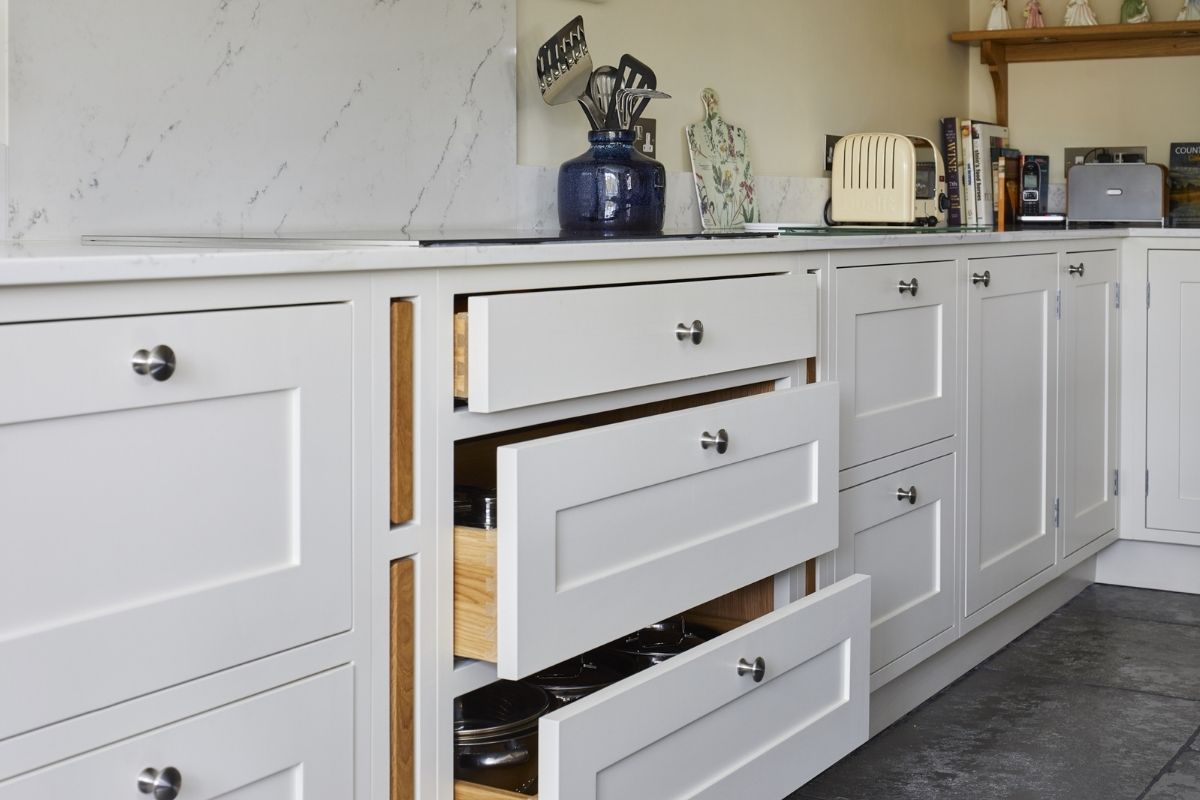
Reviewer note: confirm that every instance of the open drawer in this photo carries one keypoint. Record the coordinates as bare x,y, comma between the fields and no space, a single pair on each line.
698,726
607,529
523,349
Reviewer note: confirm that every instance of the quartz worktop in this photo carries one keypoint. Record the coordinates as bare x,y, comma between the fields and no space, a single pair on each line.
48,262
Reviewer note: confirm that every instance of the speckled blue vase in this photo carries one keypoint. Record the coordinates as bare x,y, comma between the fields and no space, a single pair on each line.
612,188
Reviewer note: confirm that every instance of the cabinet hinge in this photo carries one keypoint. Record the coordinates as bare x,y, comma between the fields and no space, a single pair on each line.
1116,482
1058,303
1056,517
1117,294
1147,483
1147,295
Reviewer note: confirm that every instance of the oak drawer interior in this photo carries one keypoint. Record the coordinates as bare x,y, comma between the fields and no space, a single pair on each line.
722,614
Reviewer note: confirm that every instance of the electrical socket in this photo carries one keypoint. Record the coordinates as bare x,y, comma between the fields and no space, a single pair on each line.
646,141
1080,155
830,141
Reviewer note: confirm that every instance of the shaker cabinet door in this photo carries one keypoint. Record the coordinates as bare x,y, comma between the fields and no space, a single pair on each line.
1173,393
169,523
1011,441
895,357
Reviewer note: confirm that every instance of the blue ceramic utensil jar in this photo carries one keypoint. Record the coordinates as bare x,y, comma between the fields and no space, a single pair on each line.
612,188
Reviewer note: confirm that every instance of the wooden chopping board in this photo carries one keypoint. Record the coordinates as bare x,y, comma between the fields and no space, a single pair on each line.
721,166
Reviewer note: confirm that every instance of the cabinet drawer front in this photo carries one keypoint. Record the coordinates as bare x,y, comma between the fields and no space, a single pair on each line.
693,727
895,358
159,531
539,347
908,550
607,530
287,744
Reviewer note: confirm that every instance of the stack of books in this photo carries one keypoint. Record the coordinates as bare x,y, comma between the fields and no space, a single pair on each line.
983,174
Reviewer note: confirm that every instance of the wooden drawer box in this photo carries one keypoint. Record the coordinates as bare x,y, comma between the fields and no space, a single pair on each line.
528,348
697,726
296,742
160,530
655,524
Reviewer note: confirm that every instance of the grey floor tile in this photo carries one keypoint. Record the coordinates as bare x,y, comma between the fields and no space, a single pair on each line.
1107,650
1007,736
1181,781
1124,601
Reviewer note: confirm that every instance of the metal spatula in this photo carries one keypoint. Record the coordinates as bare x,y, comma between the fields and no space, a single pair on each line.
565,65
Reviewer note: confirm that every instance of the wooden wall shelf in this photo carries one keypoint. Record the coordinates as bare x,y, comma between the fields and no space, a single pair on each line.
998,49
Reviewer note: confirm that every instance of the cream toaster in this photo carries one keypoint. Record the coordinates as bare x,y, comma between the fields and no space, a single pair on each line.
887,178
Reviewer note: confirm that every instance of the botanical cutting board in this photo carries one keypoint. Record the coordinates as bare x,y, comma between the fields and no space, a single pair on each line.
721,166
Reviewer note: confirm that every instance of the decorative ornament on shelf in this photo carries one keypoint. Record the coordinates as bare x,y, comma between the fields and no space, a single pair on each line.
1134,11
1190,12
998,20
1079,12
1033,15
721,167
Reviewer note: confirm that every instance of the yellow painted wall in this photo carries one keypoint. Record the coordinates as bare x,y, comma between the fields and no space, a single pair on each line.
789,71
1151,102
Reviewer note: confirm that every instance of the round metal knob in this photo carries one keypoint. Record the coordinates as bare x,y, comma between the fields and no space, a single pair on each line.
909,494
158,363
909,286
720,441
163,785
757,669
695,332
1076,270
985,278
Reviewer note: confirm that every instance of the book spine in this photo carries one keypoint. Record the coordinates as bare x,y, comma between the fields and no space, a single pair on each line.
968,170
1000,205
982,166
950,154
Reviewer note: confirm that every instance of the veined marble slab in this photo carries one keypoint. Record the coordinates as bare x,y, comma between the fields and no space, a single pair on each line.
260,116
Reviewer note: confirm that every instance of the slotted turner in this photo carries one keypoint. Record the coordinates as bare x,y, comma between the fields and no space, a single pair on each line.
632,74
565,65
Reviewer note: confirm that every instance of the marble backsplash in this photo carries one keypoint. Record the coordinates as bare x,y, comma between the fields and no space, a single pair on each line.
256,116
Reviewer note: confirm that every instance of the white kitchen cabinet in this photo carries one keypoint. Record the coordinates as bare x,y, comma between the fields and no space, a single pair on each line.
527,348
1173,392
291,743
1011,442
1089,396
157,528
587,554
899,529
896,357
700,726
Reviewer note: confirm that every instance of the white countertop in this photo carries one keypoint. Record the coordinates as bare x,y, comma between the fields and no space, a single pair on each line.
31,263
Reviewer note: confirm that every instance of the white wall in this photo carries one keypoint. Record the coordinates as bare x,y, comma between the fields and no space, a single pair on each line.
253,116
789,71
1151,101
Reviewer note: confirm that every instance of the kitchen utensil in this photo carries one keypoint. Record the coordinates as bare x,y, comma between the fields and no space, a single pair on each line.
565,65
602,89
660,642
721,167
495,735
630,108
576,678
632,74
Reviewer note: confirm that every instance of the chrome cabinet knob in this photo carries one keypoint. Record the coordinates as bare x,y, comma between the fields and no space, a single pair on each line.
695,332
909,494
1076,270
163,785
985,278
158,363
908,286
757,669
720,441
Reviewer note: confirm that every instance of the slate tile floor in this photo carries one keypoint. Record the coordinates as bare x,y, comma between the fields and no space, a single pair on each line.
1099,701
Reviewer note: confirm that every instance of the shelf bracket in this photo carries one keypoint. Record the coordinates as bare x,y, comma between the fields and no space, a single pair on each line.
994,55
